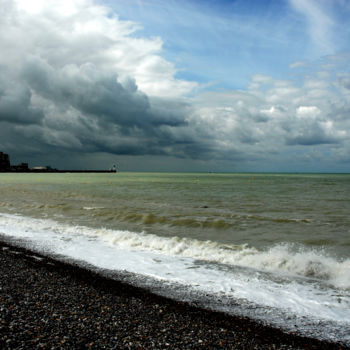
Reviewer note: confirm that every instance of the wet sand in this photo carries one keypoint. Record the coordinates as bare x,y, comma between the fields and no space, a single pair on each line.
48,304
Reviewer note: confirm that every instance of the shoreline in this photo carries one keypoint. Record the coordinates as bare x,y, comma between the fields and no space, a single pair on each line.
47,303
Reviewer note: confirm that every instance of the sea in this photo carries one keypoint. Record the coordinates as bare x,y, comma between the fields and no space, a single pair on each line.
271,247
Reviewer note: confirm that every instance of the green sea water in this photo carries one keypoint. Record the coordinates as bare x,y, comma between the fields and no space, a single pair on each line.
255,209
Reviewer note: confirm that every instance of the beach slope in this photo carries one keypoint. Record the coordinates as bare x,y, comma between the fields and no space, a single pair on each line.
45,303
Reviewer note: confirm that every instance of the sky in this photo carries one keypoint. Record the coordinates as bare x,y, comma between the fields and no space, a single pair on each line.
190,85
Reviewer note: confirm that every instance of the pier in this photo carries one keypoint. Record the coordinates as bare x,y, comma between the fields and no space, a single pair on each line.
6,167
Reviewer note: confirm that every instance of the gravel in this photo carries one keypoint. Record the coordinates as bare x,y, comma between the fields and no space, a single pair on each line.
48,304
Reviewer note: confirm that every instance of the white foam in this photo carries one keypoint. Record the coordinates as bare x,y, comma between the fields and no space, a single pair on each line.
176,260
92,208
280,258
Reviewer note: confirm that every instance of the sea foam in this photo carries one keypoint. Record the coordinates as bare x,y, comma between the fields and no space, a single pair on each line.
280,258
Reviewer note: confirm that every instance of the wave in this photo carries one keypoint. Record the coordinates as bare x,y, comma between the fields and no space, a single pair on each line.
196,218
225,221
280,258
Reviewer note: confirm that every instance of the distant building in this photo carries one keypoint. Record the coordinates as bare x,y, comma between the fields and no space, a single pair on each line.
39,168
20,167
4,162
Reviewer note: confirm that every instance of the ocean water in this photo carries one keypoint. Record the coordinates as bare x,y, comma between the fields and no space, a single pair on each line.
273,247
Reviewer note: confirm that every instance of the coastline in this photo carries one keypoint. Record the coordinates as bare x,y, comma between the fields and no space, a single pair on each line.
46,303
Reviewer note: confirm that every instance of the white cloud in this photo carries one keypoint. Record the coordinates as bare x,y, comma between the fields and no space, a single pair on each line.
310,112
75,32
276,116
320,24
297,64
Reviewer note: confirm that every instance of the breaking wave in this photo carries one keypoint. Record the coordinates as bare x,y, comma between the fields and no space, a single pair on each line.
281,258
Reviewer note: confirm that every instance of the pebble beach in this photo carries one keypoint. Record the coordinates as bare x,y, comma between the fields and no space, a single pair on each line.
50,304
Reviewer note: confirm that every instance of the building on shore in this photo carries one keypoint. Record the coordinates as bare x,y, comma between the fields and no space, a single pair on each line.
39,168
20,167
4,162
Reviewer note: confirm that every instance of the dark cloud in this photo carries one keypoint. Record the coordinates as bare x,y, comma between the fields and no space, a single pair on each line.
107,116
90,91
345,82
15,101
311,140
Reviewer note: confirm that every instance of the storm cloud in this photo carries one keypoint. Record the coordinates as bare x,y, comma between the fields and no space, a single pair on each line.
76,80
73,87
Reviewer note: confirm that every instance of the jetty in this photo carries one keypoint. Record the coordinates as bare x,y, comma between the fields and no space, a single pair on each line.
6,167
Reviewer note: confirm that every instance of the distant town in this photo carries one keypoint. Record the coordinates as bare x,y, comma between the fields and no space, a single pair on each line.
5,166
